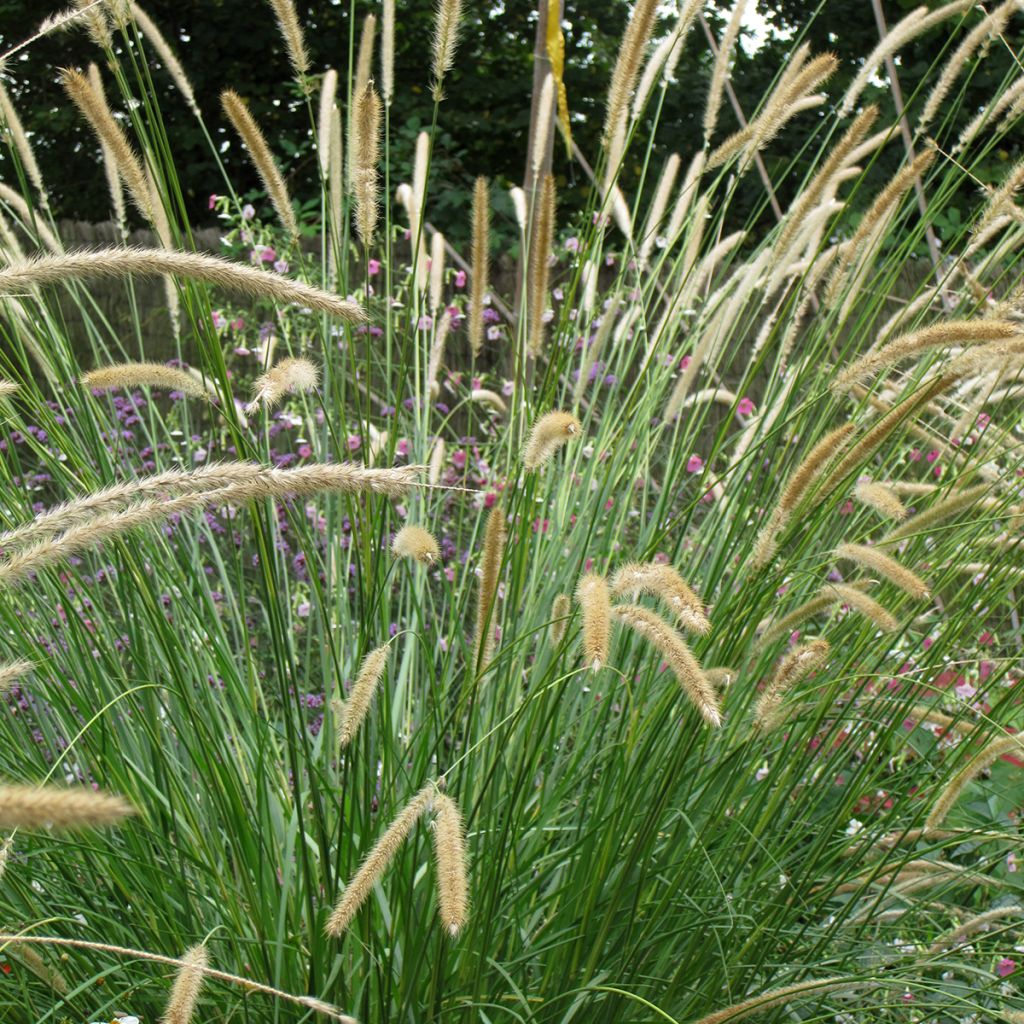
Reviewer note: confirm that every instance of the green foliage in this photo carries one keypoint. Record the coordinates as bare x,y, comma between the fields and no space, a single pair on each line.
627,862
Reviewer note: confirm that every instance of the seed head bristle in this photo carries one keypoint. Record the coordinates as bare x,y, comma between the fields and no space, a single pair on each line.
286,377
291,33
167,56
154,375
627,66
95,110
952,504
859,601
595,603
953,790
547,435
414,542
364,60
446,36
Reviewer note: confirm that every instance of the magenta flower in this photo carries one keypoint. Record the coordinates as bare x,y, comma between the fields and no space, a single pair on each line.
373,267
745,407
1005,967
459,459
213,201
460,279
932,455
694,464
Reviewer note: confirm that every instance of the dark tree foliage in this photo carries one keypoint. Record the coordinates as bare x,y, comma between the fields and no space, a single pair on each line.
484,118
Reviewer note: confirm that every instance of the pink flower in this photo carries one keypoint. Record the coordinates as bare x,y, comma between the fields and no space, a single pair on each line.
248,211
460,279
237,324
694,464
745,407
684,362
268,254
218,319
915,455
373,267
402,448
425,323
305,451
459,459
281,266
1006,966
354,442
932,455
1011,862
572,244
964,690
213,201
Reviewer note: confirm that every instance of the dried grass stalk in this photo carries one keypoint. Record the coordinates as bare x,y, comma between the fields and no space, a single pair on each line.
680,658
720,70
23,147
952,504
980,922
286,377
627,66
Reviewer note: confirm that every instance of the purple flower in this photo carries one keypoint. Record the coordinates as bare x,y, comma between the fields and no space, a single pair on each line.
354,442
281,266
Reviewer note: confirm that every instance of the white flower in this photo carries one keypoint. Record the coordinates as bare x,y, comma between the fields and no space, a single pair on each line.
854,827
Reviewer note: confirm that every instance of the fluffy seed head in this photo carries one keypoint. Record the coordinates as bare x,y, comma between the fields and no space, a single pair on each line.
664,582
876,561
983,759
680,658
561,609
365,155
450,854
592,595
286,377
37,807
478,283
881,498
446,36
11,671
413,541
490,571
859,601
291,33
377,861
249,131
116,262
548,434
153,375
796,665
185,994
353,711
539,268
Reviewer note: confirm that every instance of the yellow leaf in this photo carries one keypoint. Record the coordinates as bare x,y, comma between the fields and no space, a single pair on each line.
556,54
